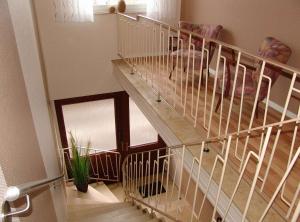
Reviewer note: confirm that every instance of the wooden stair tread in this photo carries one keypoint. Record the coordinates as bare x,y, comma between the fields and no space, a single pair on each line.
97,209
97,193
113,213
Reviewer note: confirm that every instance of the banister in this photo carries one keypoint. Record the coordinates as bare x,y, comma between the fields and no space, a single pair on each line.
128,16
218,139
100,171
245,52
14,193
234,135
143,45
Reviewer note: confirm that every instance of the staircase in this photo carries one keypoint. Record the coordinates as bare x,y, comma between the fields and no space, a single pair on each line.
99,204
231,165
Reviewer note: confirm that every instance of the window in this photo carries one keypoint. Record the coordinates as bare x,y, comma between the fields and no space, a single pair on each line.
141,130
94,121
133,6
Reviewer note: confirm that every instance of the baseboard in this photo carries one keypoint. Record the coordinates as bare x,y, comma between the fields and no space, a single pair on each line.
272,104
280,109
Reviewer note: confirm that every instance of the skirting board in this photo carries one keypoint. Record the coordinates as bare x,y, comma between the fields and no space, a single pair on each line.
272,104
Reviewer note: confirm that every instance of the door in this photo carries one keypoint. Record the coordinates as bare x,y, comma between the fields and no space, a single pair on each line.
143,136
114,125
95,119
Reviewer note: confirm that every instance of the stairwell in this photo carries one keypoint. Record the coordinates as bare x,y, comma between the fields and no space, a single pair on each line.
204,170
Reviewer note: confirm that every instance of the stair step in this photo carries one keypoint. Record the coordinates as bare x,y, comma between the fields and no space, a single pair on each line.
99,204
95,210
153,220
96,192
118,212
128,215
141,218
133,212
104,190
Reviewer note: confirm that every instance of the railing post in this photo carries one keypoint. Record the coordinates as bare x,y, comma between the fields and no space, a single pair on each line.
157,174
279,187
158,99
132,71
5,210
180,176
168,174
187,75
197,180
296,213
214,91
279,131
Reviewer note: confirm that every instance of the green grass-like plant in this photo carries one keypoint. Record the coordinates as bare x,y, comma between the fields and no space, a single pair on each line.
80,165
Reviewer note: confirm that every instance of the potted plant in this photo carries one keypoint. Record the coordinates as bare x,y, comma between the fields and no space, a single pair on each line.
80,165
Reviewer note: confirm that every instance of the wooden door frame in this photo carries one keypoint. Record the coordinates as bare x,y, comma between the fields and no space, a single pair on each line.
117,96
122,121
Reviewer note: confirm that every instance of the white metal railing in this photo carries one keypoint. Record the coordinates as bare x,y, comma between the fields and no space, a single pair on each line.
145,45
104,164
15,193
145,168
175,172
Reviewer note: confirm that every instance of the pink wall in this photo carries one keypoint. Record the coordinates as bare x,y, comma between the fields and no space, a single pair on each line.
21,160
247,23
77,56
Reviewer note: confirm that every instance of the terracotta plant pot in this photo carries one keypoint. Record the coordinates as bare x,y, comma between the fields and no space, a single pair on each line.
122,6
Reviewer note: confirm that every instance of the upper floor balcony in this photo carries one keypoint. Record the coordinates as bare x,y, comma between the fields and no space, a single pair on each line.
202,91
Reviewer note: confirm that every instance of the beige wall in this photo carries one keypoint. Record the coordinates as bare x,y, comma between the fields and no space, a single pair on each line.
24,28
77,55
246,23
21,160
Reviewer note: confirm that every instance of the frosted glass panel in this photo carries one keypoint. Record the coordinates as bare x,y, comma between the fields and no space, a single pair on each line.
94,121
141,131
